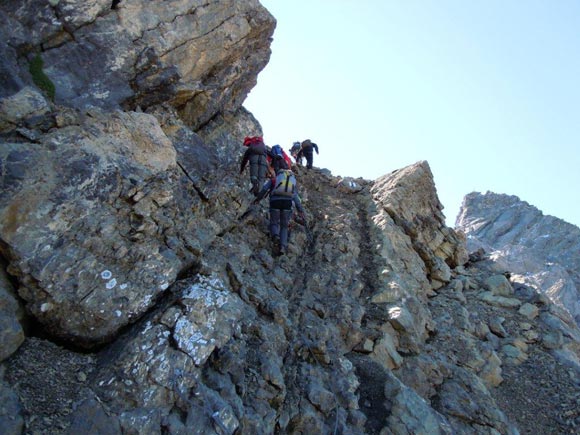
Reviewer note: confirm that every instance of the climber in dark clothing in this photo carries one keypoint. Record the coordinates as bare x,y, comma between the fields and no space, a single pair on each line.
307,149
256,155
283,194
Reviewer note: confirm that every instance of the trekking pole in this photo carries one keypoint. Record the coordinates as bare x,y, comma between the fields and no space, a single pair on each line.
301,220
248,211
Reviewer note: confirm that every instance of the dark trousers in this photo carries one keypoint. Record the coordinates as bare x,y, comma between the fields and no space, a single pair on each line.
298,159
280,215
309,154
258,168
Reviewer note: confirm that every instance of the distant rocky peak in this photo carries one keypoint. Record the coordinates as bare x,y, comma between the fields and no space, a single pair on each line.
542,249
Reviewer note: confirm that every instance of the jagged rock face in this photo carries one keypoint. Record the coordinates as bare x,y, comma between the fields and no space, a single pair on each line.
117,204
541,250
343,334
200,57
133,235
417,210
98,218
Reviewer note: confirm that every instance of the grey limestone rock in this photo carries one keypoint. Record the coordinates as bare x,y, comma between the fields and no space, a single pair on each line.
61,222
539,250
11,419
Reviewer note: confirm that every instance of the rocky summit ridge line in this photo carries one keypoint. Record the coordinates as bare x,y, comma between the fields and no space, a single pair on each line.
138,293
541,251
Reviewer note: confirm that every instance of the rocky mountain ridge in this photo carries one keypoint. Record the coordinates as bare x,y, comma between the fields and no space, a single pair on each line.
141,295
541,250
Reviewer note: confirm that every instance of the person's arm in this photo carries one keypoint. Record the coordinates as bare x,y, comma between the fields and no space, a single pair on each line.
315,147
245,160
298,203
265,189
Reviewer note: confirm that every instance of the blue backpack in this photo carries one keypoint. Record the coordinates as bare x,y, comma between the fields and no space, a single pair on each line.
278,162
277,152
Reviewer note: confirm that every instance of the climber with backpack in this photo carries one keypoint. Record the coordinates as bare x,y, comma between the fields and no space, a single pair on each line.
256,156
294,153
307,149
283,195
278,159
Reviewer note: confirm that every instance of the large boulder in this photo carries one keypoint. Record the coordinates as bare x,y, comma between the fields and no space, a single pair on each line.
65,220
98,218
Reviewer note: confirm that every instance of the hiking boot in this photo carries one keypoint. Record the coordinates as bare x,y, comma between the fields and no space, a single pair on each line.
283,250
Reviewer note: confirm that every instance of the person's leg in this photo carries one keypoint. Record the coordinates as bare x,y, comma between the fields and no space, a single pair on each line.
275,230
275,223
254,173
285,216
262,169
309,159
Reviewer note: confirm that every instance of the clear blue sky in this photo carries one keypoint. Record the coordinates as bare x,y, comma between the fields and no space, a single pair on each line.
488,92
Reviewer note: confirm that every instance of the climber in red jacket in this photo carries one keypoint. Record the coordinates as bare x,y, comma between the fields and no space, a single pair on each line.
256,155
